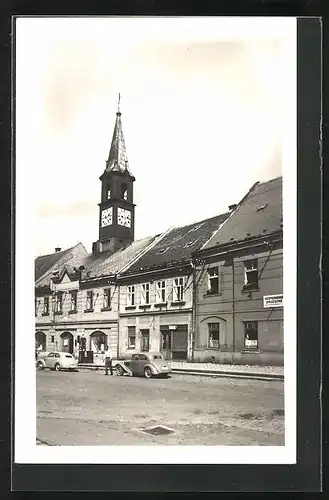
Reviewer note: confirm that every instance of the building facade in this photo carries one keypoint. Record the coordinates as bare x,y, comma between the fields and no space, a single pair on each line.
239,298
208,291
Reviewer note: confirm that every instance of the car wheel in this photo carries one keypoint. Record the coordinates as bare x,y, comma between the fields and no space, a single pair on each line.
119,371
40,366
147,372
57,367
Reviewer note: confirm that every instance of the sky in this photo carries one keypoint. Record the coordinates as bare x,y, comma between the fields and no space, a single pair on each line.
203,105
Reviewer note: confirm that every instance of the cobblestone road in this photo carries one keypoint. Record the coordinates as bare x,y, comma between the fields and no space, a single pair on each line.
88,408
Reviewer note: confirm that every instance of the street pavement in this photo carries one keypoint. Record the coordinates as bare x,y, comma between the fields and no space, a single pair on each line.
88,408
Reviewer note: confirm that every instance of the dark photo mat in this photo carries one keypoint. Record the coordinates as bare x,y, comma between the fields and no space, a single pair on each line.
305,475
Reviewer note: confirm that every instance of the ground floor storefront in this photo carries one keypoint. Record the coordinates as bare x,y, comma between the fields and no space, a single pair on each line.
252,337
89,338
169,334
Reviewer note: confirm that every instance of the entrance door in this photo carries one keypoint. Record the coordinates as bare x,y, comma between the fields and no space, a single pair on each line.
67,342
166,344
40,341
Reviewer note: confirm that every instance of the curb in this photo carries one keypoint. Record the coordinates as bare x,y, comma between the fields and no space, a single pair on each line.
217,373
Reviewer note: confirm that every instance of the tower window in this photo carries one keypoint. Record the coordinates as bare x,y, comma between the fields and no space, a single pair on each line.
108,194
124,192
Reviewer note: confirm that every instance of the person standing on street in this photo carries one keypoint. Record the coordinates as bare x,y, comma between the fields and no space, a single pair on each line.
108,361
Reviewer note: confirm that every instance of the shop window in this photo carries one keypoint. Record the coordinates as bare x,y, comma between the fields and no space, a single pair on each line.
213,280
131,337
98,341
213,335
161,291
107,298
89,303
178,290
46,305
131,295
145,293
74,299
145,340
251,274
251,334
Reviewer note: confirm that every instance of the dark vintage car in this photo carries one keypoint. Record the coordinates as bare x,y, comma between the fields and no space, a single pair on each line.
148,364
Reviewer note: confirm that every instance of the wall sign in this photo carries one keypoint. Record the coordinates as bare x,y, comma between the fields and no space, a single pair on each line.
172,327
273,300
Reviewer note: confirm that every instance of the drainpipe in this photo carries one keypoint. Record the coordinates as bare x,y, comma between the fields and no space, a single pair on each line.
118,350
233,305
194,301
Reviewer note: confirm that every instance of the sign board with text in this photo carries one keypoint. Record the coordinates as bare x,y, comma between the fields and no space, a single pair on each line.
273,300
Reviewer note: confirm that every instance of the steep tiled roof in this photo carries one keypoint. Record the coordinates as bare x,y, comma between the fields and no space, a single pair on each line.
46,264
177,245
259,214
107,263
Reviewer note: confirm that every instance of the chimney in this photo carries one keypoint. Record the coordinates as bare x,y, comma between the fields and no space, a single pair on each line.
232,207
58,249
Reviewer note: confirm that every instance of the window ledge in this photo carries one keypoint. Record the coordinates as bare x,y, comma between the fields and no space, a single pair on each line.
89,310
178,303
45,314
214,348
160,304
250,350
130,308
144,306
106,309
131,348
73,311
210,294
58,313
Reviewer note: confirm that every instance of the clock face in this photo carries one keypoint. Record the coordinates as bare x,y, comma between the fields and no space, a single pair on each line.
107,216
124,217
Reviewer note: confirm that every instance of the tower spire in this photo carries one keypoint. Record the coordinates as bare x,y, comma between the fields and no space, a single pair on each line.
117,159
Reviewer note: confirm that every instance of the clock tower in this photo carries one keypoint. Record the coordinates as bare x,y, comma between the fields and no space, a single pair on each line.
116,209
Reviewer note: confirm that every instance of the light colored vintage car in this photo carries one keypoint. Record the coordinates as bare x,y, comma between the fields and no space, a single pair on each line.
148,364
57,361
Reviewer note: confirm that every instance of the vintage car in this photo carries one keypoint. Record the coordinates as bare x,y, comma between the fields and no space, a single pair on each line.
57,361
148,364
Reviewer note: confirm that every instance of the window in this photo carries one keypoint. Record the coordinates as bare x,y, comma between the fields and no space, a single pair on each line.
74,297
68,356
178,289
46,305
145,293
52,338
251,273
124,192
161,291
213,280
107,298
89,304
142,357
251,334
190,243
131,337
131,295
108,194
59,302
213,335
145,340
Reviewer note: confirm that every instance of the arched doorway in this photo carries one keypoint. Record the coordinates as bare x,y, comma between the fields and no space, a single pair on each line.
67,342
98,341
40,341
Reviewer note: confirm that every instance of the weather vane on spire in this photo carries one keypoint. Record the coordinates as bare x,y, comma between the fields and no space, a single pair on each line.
119,102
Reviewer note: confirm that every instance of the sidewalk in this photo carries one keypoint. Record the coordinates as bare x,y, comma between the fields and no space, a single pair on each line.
252,371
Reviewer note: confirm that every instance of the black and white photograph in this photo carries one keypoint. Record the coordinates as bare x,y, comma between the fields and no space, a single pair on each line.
155,240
